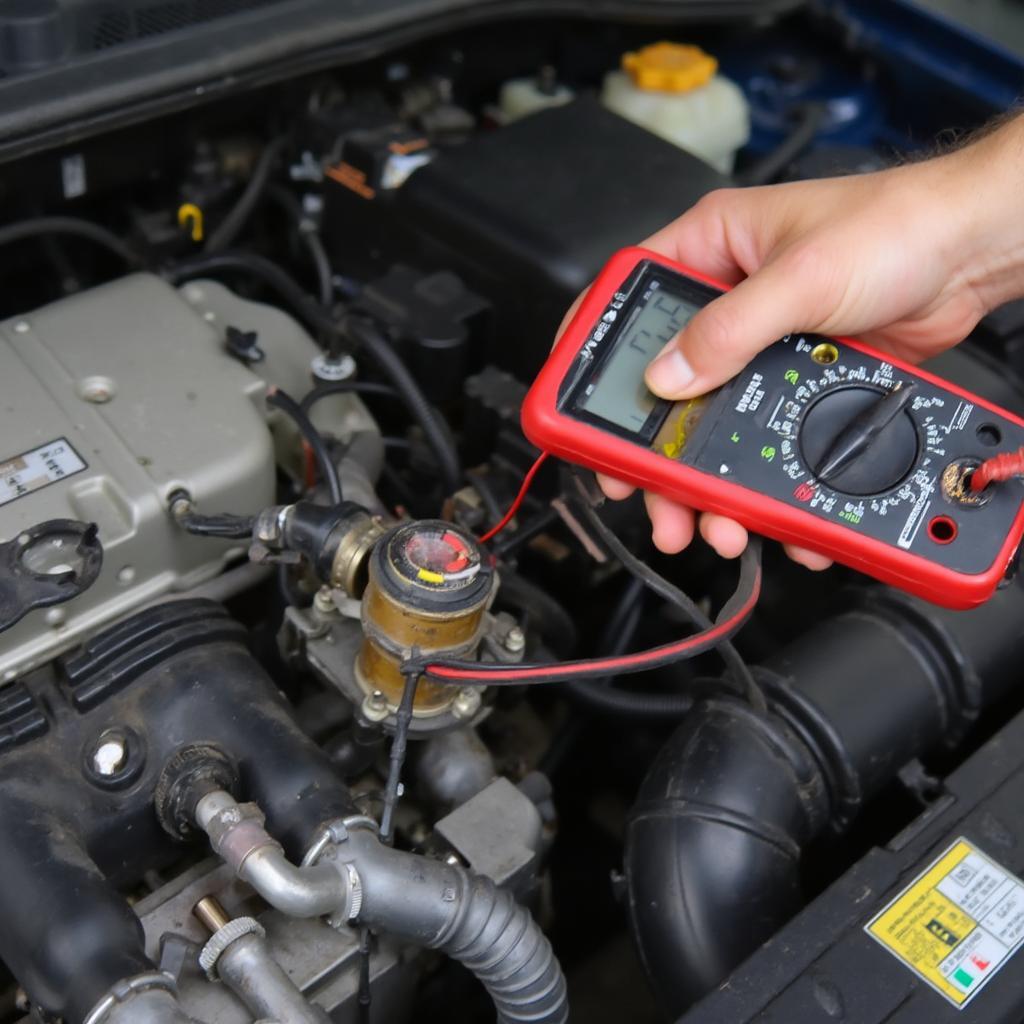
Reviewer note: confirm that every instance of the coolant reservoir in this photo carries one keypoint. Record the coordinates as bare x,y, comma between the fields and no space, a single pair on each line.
675,91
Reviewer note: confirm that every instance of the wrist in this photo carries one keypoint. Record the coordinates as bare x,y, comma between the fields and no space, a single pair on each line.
981,191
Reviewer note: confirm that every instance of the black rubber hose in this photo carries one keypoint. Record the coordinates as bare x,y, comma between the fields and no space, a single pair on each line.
231,226
309,237
224,525
38,227
390,364
547,616
328,470
317,319
771,165
713,845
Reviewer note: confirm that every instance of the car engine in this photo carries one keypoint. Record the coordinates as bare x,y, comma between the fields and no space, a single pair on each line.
278,274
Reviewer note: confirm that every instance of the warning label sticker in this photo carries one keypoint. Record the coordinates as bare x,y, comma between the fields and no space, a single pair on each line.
956,924
38,468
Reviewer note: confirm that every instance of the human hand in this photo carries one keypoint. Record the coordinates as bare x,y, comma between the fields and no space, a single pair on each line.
907,259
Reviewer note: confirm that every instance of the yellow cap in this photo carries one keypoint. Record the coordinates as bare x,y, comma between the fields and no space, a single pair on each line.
670,67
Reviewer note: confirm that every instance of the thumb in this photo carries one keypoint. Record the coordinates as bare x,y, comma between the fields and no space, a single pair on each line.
727,333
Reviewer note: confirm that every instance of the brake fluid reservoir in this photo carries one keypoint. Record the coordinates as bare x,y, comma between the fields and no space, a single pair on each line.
520,97
675,91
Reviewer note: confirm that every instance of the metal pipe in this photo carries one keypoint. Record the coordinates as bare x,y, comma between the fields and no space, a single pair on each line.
237,835
142,999
238,954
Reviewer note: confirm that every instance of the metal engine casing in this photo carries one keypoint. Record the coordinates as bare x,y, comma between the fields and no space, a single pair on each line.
180,412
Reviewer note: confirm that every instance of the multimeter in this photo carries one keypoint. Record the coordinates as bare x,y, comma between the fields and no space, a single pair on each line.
821,442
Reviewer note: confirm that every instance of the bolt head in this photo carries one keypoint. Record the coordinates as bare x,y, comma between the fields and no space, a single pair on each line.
375,707
467,702
110,756
323,602
327,369
515,640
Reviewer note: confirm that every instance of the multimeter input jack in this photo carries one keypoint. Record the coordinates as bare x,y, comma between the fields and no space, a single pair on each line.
956,484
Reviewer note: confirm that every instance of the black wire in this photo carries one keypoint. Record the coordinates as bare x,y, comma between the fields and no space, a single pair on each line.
600,696
37,227
505,544
403,718
771,165
667,591
492,506
310,239
231,226
345,387
365,995
328,470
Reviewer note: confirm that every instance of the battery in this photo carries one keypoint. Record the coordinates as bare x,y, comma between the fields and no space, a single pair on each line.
926,930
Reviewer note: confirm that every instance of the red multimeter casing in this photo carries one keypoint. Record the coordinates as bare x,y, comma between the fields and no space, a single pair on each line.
901,514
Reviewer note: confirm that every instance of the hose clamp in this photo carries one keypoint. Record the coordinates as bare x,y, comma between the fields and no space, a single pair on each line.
223,938
326,846
125,989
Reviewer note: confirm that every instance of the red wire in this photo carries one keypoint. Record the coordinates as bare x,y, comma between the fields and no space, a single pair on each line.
609,666
1003,466
514,507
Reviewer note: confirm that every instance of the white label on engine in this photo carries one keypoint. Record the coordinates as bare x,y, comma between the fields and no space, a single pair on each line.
38,468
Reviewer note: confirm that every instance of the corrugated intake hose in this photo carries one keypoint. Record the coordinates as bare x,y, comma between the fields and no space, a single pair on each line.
713,845
467,917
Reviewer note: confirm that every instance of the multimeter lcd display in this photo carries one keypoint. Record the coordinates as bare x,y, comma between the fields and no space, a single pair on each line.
619,395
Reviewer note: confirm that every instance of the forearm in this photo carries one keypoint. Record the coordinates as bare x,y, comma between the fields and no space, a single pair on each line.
981,189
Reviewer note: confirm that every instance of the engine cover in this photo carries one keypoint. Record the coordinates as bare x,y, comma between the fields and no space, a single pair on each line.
112,400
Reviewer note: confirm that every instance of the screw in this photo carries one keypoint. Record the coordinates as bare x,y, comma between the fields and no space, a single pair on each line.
97,390
515,640
466,703
110,756
375,706
323,602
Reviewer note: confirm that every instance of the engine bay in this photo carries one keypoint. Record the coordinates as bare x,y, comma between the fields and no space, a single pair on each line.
278,276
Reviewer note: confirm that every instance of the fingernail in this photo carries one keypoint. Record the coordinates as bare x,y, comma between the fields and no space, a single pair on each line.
670,374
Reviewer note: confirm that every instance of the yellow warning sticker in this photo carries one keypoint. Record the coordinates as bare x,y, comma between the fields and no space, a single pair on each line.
956,924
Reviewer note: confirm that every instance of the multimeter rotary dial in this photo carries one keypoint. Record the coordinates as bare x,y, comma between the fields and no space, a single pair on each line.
859,440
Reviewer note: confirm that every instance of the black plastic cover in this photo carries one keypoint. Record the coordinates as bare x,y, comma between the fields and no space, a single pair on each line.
528,215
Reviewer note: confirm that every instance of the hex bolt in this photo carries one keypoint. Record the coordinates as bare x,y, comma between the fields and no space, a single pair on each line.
323,602
467,702
110,755
515,640
375,707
